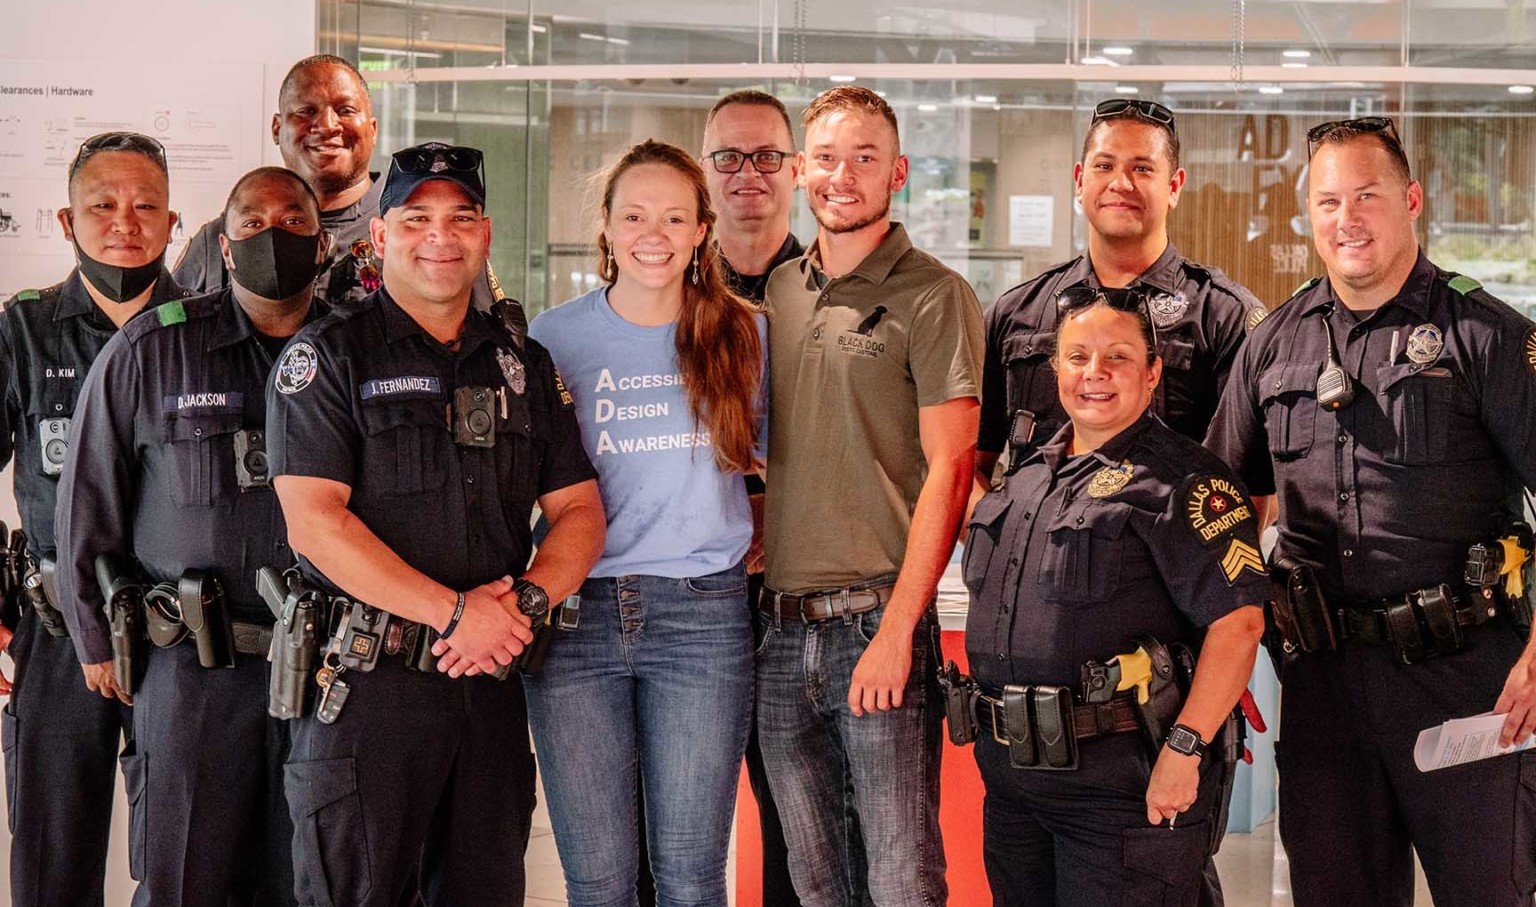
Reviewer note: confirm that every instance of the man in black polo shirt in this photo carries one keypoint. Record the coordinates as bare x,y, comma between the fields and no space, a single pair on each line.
751,169
61,738
410,438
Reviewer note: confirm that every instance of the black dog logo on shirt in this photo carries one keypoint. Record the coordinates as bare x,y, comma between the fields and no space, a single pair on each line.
860,341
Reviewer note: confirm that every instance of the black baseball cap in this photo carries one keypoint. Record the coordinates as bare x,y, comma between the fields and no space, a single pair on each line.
408,169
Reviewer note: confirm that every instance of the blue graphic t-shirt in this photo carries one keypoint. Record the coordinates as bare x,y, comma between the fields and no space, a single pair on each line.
671,512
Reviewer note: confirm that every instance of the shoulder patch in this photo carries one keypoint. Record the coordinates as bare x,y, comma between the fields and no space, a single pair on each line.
1530,349
1463,284
171,313
1215,507
298,367
565,395
29,296
1216,510
1256,316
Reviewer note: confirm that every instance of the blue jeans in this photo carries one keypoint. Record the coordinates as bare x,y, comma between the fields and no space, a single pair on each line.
657,680
835,775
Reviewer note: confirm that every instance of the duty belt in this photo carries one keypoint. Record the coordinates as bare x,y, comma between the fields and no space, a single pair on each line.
1113,717
1372,622
825,604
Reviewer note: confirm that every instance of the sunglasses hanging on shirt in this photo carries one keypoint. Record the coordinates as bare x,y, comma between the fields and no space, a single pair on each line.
1335,390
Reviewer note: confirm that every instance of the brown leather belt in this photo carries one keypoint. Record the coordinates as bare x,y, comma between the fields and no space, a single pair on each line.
825,604
1113,717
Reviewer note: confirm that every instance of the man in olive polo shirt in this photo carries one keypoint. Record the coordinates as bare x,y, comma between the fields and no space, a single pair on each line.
876,368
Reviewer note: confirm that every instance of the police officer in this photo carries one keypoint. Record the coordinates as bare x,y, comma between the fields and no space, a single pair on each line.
1115,530
1388,408
61,739
167,474
409,440
751,168
325,130
1127,182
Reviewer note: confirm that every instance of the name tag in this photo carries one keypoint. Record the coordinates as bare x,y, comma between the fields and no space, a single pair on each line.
390,387
228,401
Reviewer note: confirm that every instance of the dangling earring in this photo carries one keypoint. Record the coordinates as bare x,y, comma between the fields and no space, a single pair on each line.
612,265
695,265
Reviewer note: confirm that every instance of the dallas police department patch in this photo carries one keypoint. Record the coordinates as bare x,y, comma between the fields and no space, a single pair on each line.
1215,509
1425,344
565,395
1109,480
297,369
513,370
1167,310
1530,350
1256,316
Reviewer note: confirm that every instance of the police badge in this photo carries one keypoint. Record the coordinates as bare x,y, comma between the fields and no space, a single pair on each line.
513,370
1167,310
1425,344
1109,480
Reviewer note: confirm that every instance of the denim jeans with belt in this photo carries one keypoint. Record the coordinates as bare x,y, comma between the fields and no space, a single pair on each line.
656,684
835,775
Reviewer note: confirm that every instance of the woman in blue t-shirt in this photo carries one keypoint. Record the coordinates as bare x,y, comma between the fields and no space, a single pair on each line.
666,367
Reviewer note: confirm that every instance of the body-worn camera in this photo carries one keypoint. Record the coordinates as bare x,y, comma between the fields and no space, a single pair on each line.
474,416
251,459
53,435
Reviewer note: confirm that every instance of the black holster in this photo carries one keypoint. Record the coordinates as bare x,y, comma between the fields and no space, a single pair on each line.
1297,622
1173,667
960,694
40,587
1232,743
295,640
206,617
123,591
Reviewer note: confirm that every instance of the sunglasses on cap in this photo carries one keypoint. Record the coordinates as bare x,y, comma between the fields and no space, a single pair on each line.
119,141
1151,111
733,161
429,159
1320,133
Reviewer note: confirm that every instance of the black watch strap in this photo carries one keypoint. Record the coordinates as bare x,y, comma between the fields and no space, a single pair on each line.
1186,740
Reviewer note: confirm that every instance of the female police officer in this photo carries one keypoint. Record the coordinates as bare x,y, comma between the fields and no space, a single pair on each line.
1118,536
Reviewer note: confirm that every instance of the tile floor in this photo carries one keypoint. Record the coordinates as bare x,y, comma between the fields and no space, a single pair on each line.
1252,868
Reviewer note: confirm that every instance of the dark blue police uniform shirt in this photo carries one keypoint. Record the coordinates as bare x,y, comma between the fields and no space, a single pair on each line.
1201,316
1386,494
48,340
362,397
151,471
1072,556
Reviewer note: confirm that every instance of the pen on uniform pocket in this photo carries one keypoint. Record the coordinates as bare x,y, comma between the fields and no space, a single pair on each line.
1392,353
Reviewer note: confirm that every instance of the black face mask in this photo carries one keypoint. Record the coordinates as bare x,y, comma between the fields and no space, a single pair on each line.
117,283
275,264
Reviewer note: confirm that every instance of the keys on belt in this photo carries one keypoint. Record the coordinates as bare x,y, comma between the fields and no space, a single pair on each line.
825,604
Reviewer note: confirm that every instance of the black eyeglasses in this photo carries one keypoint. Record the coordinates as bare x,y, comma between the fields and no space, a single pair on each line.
733,161
1322,132
437,158
1133,300
1150,111
119,141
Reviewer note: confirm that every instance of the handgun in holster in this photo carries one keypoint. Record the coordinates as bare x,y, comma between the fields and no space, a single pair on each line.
12,575
295,640
40,587
123,591
1500,570
207,618
1297,622
1166,671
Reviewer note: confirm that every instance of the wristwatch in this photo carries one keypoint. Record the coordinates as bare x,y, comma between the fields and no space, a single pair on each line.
1186,741
532,600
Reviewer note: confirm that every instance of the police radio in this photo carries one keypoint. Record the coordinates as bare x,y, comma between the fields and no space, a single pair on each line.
1335,390
53,435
